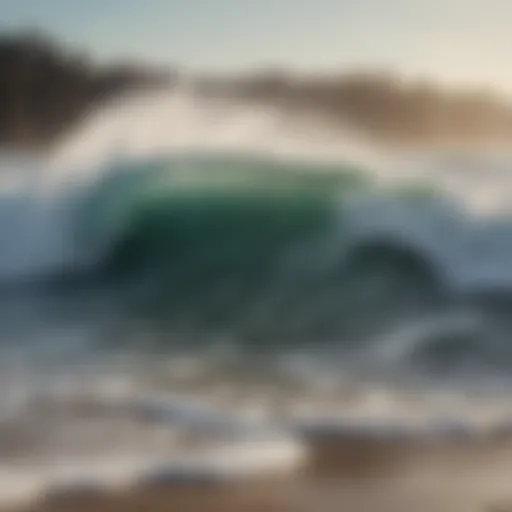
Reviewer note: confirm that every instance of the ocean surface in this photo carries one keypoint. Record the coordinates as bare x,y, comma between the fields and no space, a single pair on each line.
196,286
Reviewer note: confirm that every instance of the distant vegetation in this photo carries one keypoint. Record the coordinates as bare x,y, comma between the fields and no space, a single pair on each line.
44,89
383,106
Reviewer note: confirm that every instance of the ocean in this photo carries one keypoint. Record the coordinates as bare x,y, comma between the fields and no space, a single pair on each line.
191,288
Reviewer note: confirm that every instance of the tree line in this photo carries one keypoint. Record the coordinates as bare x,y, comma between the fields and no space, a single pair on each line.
44,89
387,107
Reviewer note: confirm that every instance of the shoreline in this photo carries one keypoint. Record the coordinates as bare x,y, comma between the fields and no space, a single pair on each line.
353,475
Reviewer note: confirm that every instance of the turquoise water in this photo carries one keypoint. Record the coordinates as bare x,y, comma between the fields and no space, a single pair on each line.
275,254
260,250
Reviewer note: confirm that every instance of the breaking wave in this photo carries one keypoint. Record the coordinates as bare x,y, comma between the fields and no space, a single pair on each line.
312,262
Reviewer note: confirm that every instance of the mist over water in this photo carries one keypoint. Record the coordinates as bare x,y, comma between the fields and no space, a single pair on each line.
255,264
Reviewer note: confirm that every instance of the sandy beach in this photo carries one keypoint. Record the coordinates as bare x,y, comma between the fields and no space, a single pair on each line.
343,475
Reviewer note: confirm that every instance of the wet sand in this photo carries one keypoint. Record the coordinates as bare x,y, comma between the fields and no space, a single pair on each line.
353,475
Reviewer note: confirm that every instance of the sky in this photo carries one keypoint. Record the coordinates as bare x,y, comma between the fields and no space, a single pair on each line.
451,41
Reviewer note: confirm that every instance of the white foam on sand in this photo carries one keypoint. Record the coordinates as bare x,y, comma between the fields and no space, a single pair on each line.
162,442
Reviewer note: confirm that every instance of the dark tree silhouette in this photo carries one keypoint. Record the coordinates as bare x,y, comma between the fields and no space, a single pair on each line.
44,89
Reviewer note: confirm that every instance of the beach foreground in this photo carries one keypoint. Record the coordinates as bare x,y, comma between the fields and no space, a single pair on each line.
344,475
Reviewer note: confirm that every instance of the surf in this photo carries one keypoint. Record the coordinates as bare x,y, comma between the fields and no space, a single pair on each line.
203,264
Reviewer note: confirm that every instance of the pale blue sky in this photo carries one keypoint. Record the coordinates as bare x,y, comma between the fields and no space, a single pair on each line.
456,41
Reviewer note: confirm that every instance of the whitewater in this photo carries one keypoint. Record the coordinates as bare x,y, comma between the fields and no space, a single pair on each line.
191,286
